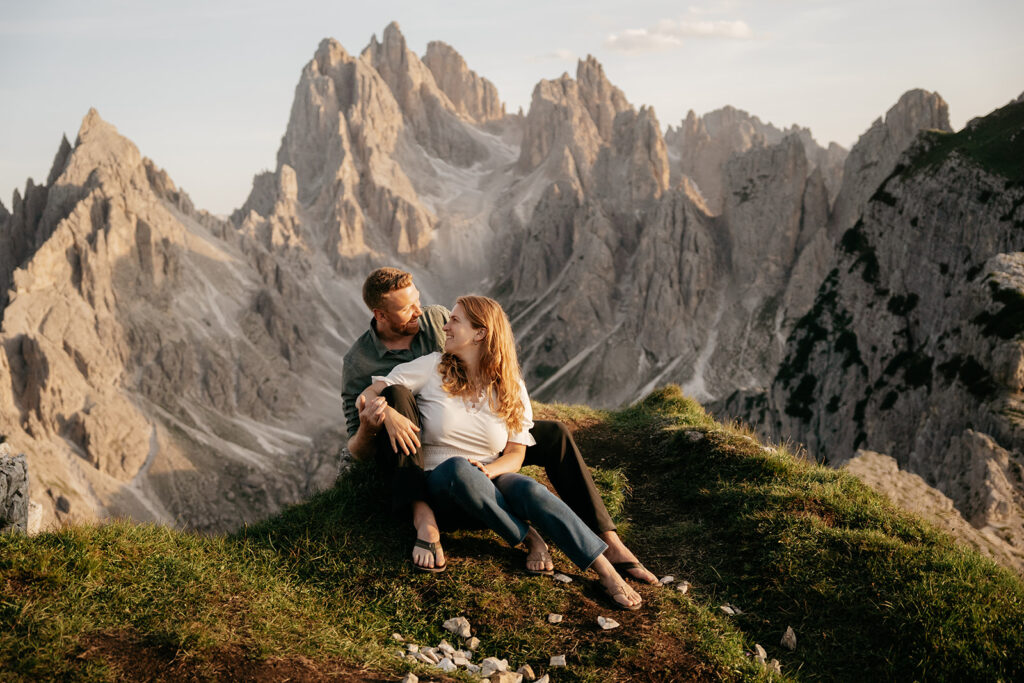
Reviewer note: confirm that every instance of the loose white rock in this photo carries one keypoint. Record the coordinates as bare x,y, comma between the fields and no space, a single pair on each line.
447,665
423,659
666,580
445,647
543,679
460,661
775,667
473,644
459,626
789,638
526,671
491,665
462,653
554,618
398,637
563,578
606,623
400,653
410,678
412,647
472,668
557,660
506,677
760,654
728,610
683,587
431,654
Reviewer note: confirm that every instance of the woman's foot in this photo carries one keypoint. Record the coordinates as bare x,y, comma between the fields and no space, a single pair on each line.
426,553
538,559
615,587
427,556
624,561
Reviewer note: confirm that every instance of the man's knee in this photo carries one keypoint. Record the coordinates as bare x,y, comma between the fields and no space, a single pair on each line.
550,432
401,399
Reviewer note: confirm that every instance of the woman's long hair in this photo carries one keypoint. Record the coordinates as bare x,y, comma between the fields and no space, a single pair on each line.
499,364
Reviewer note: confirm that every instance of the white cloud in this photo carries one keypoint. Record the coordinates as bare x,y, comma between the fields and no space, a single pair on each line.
560,55
669,33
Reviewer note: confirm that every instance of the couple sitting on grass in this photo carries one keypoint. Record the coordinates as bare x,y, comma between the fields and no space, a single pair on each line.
437,400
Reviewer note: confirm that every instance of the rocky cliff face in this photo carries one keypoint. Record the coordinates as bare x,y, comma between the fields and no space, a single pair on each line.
701,147
913,347
157,364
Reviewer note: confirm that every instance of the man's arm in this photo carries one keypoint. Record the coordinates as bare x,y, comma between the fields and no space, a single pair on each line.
375,413
371,419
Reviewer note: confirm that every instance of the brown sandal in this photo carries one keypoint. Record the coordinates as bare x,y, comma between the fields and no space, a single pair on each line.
620,589
432,547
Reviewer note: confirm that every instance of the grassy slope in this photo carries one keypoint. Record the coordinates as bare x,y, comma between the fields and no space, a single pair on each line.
316,592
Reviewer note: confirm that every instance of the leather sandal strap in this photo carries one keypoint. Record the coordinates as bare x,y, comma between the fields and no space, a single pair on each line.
432,546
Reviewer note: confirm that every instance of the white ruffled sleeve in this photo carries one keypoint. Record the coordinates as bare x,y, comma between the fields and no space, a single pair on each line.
412,375
523,436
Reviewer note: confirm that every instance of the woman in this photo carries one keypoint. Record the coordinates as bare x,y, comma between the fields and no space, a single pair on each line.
476,420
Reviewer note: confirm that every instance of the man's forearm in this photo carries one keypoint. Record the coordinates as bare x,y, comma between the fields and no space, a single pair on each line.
361,444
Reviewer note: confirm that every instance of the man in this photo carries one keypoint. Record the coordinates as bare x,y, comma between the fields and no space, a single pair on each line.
401,331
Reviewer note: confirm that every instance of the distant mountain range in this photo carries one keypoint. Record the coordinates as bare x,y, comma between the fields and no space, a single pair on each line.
168,365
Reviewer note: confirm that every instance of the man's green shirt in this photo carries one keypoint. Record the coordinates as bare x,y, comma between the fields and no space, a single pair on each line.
368,357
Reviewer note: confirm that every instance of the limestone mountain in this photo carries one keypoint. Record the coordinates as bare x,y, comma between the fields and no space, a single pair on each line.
701,146
914,345
158,364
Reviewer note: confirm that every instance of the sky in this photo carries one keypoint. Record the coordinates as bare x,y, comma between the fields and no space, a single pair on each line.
204,88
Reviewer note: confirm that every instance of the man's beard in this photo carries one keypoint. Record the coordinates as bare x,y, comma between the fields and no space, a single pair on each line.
410,328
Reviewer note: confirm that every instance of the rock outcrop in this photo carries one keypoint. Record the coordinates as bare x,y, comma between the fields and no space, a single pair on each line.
701,147
913,346
155,360
472,96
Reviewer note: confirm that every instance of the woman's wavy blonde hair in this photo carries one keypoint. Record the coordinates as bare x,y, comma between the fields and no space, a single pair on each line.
499,364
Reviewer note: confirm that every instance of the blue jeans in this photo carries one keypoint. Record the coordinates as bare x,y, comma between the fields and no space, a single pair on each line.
502,504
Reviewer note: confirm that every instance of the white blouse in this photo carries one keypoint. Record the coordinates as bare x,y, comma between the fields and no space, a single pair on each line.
452,426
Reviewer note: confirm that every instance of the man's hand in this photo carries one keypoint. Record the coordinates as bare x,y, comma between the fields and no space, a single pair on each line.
401,431
371,413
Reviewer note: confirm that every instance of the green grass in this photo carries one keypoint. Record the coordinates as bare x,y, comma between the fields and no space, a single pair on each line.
315,592
996,144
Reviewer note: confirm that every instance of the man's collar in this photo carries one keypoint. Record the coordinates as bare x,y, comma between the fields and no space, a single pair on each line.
379,345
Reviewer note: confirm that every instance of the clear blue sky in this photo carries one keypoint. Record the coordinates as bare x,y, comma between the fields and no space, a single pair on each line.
204,88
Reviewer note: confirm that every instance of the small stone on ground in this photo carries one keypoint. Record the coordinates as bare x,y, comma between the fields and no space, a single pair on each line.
683,587
459,626
666,580
410,678
554,618
606,623
543,679
789,638
563,578
473,644
398,637
526,671
557,660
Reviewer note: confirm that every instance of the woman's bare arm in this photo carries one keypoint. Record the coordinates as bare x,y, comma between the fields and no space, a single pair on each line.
510,460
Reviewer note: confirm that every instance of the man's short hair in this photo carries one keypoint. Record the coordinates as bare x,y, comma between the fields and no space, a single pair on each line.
383,281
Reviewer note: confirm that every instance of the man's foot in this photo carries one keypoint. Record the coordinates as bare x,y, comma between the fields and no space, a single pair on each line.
624,561
427,554
538,559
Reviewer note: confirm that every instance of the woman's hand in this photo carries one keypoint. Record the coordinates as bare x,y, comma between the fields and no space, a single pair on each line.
401,431
483,468
510,460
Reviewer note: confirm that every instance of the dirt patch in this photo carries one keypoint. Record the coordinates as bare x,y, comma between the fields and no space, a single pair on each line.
131,659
